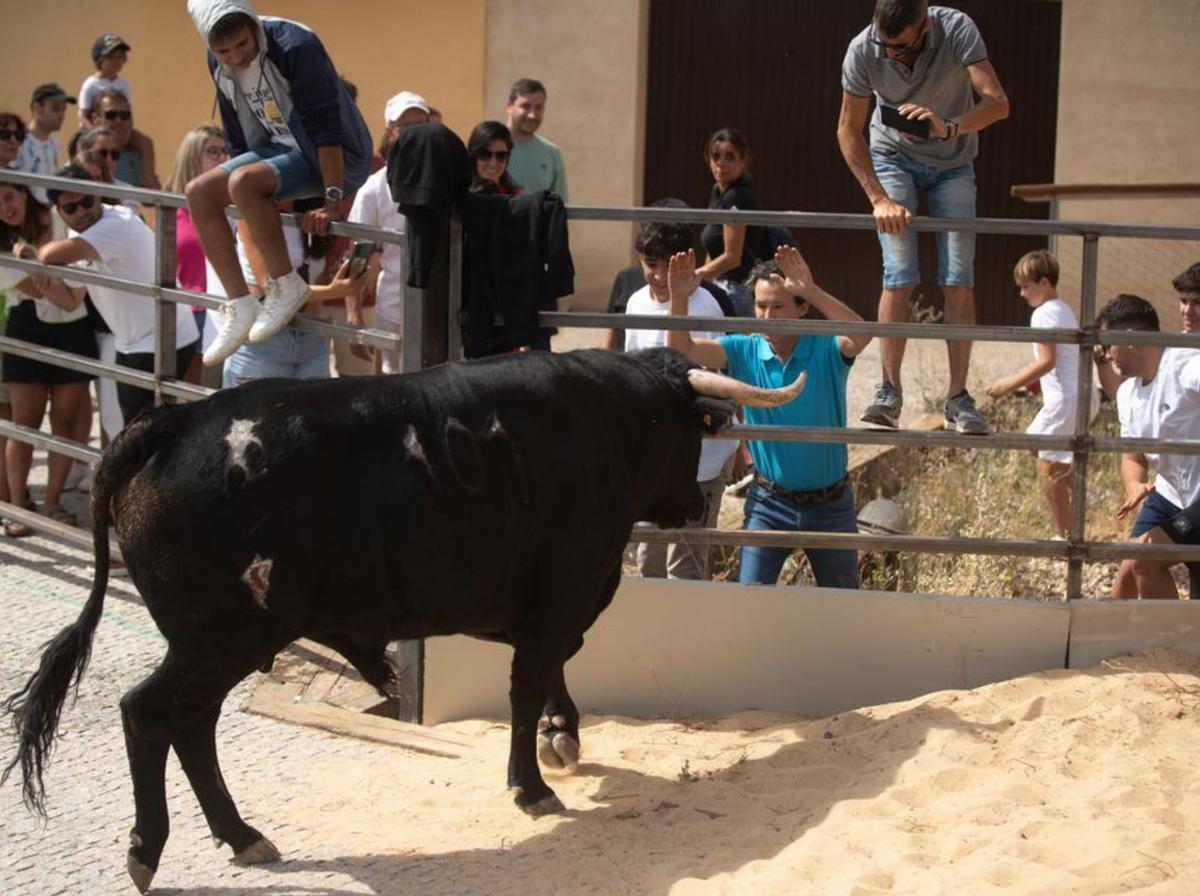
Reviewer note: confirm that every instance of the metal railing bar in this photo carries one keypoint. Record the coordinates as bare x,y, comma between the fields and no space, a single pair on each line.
63,532
116,372
360,335
38,439
920,438
820,220
924,544
940,332
162,198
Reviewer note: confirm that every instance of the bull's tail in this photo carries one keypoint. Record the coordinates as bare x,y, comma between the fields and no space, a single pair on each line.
35,709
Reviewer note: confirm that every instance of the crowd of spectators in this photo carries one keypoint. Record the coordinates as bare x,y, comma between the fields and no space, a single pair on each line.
291,138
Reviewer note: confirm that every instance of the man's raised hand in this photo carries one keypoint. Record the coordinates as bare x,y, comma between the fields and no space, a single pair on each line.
682,279
796,276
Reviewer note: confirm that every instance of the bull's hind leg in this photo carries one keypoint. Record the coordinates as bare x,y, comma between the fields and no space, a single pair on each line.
177,703
196,747
558,741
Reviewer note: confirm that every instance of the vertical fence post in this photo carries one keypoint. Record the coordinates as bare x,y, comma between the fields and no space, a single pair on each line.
1083,409
454,351
164,309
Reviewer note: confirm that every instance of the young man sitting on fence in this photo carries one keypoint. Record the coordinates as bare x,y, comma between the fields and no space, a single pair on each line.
1160,399
798,487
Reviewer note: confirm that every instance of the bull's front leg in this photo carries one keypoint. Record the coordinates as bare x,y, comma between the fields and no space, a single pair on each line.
531,672
558,739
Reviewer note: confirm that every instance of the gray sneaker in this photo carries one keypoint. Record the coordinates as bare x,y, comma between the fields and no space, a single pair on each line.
962,416
884,409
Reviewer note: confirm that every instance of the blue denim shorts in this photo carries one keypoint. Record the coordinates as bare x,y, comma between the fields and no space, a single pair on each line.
290,354
951,194
294,177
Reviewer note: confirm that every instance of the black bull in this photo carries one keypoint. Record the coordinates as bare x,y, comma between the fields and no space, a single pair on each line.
492,498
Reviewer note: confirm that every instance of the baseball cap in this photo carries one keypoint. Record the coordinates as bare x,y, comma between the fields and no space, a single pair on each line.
108,43
402,102
51,91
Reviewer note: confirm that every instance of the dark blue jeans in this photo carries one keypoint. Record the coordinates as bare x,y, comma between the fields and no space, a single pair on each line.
832,568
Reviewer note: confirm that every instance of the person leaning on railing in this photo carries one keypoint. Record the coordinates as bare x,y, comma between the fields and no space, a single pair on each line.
797,487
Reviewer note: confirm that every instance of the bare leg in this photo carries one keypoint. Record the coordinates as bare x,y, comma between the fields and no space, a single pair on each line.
960,309
28,409
5,493
893,308
1125,582
65,402
208,196
252,189
1055,479
1154,579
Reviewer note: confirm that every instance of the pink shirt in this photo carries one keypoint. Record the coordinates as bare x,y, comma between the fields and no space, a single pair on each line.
189,257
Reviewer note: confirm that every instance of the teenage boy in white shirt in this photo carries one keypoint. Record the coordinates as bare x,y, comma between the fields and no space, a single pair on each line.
1160,399
1056,367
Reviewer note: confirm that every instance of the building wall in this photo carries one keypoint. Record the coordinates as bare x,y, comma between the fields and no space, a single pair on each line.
591,59
1128,94
374,43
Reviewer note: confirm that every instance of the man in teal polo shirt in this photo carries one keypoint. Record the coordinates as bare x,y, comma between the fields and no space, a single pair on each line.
797,487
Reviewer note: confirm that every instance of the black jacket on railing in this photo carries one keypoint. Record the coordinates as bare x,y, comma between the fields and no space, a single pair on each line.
518,262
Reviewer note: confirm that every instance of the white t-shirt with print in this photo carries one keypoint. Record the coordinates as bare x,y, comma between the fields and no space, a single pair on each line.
713,452
126,249
38,156
1167,407
94,85
262,102
375,207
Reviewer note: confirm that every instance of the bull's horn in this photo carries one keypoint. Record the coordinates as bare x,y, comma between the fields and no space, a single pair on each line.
714,385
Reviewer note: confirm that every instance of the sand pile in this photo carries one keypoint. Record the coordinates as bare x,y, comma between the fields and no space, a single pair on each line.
1063,782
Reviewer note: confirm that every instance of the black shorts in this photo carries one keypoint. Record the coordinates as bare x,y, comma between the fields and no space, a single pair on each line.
77,337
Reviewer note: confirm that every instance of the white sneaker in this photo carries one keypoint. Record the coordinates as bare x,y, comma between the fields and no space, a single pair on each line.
285,297
75,476
236,320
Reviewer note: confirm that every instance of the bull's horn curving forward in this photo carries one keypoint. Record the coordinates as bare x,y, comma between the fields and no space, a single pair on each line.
715,385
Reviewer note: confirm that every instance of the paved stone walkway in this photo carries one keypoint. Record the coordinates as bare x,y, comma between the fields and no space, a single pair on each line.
81,848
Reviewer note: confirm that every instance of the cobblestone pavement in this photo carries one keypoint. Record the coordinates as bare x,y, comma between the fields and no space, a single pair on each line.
81,848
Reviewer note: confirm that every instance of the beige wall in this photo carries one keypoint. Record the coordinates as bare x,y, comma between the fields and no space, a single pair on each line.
1128,97
374,43
591,59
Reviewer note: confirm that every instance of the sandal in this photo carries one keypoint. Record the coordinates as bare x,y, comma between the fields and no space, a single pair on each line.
15,529
59,514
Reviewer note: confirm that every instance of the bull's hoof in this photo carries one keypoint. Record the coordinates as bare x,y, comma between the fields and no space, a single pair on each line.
257,853
138,873
558,750
547,805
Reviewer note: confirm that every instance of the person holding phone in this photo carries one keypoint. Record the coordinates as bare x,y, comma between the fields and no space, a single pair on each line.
924,66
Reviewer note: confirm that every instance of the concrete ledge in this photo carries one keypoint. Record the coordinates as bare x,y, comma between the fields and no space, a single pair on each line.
709,648
1108,628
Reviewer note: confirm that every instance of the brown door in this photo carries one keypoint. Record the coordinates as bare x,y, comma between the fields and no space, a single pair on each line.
773,69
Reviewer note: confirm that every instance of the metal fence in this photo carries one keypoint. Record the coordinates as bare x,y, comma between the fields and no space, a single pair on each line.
1076,550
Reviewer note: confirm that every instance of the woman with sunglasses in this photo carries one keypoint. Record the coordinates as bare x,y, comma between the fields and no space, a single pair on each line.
729,248
12,136
201,150
40,312
489,147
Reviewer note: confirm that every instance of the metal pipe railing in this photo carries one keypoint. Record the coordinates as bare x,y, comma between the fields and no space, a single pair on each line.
1076,551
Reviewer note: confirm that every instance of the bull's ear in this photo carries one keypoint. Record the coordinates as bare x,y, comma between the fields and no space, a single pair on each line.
714,413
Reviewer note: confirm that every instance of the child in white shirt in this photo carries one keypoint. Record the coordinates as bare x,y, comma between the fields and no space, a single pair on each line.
1056,367
109,54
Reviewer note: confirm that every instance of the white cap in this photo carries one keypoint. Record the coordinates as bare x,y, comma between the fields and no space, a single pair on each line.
401,103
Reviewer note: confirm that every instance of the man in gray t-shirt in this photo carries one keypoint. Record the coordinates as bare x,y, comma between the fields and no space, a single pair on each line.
929,64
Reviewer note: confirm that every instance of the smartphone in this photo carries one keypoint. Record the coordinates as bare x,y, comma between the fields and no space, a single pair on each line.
893,119
360,254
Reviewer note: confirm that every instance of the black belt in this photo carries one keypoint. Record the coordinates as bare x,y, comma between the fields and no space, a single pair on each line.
816,496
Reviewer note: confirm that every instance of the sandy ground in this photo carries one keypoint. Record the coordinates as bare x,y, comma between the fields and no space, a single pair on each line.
1061,782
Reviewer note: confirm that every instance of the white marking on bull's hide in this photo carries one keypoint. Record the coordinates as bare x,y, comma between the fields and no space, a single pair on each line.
258,579
239,439
496,428
360,406
413,446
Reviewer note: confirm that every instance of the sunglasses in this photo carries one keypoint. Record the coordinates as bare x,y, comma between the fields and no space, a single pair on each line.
499,156
6,134
69,208
113,154
900,48
117,115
